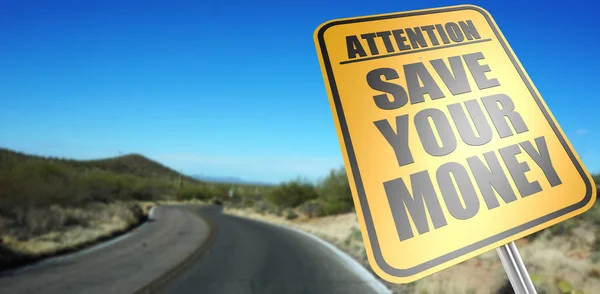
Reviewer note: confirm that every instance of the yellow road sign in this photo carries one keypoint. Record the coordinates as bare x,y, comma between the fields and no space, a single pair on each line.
449,148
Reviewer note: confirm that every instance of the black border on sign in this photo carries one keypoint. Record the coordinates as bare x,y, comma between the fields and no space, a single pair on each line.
407,272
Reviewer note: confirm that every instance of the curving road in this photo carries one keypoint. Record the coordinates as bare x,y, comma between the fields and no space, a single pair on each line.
180,252
122,265
254,257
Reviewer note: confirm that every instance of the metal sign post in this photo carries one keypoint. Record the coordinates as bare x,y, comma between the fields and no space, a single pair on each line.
515,269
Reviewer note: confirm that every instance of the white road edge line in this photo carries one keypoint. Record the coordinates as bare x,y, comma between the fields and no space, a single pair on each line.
351,263
56,259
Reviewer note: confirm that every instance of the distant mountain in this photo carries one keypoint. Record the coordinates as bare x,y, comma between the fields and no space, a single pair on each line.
230,180
133,164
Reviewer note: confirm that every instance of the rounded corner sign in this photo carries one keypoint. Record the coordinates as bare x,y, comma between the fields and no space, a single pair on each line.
449,148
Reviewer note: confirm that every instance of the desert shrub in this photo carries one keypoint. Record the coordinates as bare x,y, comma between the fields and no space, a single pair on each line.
100,186
334,193
293,193
354,236
247,202
41,195
334,207
335,187
311,208
290,214
564,227
248,196
333,196
148,190
266,207
35,221
34,184
593,214
219,191
259,207
320,207
199,192
34,181
28,222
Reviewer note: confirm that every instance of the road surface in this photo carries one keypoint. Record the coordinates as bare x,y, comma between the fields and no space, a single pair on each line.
214,253
254,257
123,265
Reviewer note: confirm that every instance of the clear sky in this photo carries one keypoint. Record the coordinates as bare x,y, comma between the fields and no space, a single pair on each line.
234,88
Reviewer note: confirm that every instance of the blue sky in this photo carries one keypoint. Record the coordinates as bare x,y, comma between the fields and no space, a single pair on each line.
234,88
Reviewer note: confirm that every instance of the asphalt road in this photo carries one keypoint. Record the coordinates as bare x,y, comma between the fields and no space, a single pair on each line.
122,265
180,252
253,257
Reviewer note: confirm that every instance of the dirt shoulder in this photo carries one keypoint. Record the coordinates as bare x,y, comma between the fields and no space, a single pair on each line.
557,263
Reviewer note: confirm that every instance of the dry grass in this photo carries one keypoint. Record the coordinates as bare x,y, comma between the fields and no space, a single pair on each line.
40,232
564,259
178,202
551,260
335,227
35,233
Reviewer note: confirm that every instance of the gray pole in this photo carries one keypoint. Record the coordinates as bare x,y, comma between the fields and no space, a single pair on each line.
515,269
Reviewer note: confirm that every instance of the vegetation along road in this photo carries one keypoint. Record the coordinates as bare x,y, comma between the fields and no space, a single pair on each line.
179,252
50,207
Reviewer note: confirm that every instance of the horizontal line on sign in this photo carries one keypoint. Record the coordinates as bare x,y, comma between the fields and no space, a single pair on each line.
415,51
